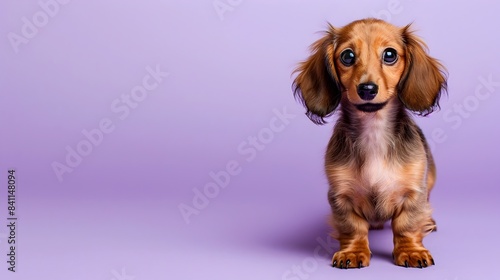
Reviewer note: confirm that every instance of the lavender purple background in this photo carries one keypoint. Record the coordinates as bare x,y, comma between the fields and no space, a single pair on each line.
116,214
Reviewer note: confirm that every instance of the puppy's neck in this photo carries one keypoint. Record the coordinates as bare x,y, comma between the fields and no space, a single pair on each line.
374,131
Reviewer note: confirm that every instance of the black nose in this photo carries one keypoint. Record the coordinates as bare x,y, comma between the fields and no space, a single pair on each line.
367,91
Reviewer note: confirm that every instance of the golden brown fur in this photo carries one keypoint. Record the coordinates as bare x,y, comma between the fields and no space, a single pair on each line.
378,164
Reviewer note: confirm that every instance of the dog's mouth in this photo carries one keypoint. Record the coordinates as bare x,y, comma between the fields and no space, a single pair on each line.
370,107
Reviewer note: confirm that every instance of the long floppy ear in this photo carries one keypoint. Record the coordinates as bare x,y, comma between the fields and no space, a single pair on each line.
424,78
316,85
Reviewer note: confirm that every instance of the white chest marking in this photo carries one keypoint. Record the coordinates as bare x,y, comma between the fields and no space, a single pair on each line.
376,140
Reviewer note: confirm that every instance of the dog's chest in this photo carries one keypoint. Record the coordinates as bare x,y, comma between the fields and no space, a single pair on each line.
378,172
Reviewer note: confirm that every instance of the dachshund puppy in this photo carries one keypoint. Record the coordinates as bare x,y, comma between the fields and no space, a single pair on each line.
378,163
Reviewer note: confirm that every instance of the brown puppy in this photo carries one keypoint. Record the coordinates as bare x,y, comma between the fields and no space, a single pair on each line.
378,163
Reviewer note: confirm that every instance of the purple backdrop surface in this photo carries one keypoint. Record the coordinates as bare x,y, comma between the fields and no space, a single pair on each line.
117,114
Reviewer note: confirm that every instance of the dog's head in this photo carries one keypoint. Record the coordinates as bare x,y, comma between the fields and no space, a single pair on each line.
366,64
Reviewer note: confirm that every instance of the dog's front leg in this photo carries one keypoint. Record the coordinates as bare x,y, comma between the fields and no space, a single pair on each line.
351,230
410,226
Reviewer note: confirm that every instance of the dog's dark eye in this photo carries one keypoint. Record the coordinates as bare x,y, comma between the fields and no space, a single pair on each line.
390,56
347,57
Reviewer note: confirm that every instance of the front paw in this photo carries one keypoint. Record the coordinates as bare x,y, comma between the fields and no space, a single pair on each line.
413,257
356,258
